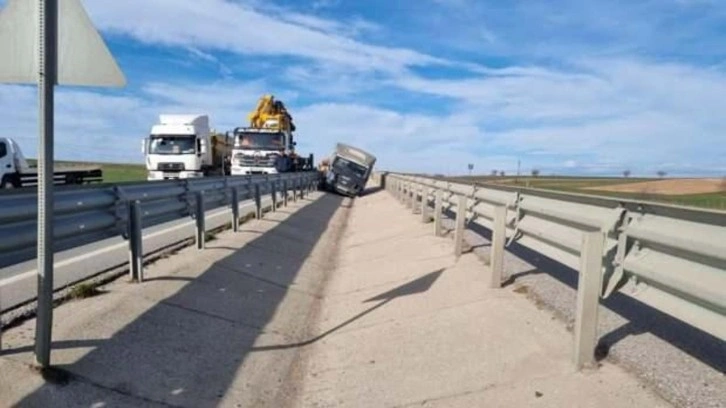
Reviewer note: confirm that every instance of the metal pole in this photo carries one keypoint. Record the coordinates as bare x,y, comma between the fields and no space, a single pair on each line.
47,63
284,193
589,285
136,248
414,199
438,212
258,202
409,195
200,220
301,186
294,190
460,226
424,204
235,209
496,256
273,193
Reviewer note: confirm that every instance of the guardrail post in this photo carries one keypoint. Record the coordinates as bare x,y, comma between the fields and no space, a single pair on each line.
136,251
589,285
496,253
258,202
235,209
424,204
438,213
459,232
284,193
273,193
301,187
414,199
200,220
294,189
409,195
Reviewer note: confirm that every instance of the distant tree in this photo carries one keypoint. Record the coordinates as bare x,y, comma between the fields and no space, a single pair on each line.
626,173
494,172
661,173
535,172
502,173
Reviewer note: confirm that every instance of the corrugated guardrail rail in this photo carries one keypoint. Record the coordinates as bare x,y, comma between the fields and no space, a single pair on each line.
92,222
674,256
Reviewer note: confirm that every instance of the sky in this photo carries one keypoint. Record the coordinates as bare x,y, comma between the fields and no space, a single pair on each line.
562,86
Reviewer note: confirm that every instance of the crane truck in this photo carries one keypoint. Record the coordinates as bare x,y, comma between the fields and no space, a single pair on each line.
15,171
349,170
183,146
267,146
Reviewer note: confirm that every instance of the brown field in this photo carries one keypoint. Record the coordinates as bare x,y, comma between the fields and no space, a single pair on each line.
668,187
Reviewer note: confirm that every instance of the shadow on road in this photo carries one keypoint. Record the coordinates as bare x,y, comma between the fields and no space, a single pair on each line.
414,287
188,348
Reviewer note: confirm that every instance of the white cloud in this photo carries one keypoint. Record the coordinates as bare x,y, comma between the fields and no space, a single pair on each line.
603,117
220,25
575,114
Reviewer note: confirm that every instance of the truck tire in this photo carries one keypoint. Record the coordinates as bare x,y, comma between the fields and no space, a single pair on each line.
9,182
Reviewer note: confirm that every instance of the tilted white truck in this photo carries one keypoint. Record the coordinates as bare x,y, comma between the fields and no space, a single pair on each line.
183,146
15,171
349,170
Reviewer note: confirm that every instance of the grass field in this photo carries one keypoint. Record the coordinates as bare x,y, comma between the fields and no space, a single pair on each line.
118,173
589,185
112,172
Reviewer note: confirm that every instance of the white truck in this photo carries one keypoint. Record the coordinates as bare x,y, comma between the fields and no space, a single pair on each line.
349,170
267,145
183,146
15,171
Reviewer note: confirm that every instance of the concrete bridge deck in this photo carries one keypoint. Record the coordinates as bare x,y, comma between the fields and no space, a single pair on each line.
326,303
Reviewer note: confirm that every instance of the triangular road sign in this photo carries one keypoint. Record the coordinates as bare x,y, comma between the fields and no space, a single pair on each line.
83,58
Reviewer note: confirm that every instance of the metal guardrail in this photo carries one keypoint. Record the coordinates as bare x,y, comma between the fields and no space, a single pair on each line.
674,256
114,220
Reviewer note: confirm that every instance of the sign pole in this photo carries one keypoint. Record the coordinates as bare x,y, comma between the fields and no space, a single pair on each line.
48,57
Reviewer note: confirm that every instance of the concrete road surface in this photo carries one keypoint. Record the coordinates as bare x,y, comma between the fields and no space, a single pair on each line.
330,302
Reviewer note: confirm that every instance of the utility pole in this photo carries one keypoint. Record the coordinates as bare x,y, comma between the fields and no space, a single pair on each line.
39,45
47,58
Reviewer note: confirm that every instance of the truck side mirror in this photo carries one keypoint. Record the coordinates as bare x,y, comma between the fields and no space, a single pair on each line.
143,146
202,147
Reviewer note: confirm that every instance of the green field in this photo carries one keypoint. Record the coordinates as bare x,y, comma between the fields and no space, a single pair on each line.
584,185
112,172
118,173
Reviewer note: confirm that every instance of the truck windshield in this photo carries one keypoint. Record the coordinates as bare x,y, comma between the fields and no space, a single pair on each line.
344,166
260,141
172,144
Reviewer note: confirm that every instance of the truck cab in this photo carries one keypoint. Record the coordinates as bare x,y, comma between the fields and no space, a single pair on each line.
261,151
15,171
182,146
10,162
350,168
267,145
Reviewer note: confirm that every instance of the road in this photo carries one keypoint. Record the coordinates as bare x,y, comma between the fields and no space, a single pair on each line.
330,302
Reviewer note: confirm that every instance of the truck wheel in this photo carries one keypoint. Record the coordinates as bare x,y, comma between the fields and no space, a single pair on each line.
8,183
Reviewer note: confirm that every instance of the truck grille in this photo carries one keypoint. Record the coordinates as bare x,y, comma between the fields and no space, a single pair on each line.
170,166
256,161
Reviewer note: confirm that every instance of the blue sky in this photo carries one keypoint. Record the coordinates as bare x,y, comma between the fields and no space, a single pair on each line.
565,86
